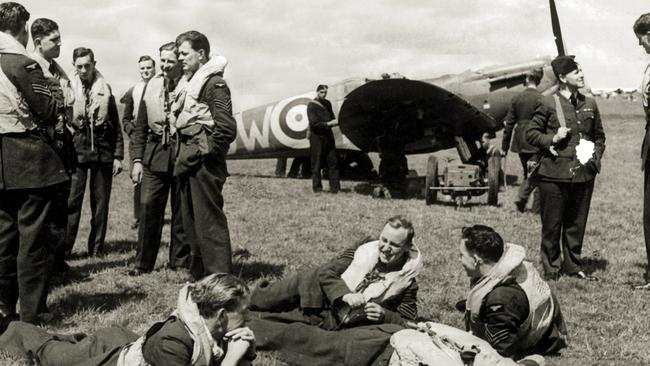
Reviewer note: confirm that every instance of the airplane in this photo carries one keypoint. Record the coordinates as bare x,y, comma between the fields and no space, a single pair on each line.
416,116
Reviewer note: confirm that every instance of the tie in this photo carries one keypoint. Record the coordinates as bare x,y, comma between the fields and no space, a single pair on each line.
574,101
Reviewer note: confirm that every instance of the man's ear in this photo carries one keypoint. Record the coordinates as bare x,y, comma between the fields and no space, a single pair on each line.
204,57
37,42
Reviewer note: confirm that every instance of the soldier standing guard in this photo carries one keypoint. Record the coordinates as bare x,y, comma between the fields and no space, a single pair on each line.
563,125
99,145
31,172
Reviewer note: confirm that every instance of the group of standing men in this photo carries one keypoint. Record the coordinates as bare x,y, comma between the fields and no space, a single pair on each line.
58,132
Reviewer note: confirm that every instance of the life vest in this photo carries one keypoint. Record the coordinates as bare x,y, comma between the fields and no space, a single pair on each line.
97,109
154,99
15,115
538,293
136,94
204,349
186,108
440,344
365,259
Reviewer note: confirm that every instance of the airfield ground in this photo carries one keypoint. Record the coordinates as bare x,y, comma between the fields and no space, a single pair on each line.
285,226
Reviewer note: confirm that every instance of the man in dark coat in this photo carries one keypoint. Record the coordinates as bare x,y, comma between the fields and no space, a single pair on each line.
206,128
31,172
100,149
131,101
565,127
642,31
153,152
519,114
321,141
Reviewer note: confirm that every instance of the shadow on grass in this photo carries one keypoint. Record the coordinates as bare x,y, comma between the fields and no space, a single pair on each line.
593,264
115,246
250,270
99,302
100,266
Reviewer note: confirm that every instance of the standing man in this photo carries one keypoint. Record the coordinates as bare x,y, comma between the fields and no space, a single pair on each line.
31,172
206,128
100,149
519,114
567,129
321,141
131,101
47,47
153,155
642,31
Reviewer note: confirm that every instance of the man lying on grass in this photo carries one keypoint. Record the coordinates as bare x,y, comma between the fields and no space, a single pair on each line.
508,304
206,329
373,282
510,313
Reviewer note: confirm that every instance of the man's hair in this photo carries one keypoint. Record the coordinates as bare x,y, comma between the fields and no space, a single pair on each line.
218,291
13,17
397,222
321,87
169,46
82,52
42,27
535,76
147,58
642,25
483,241
197,41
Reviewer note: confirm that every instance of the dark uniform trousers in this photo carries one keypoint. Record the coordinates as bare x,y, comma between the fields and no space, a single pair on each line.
25,253
204,222
323,149
101,348
646,191
529,184
564,210
101,181
155,188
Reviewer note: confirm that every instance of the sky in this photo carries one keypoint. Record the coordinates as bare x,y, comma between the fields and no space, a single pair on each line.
277,49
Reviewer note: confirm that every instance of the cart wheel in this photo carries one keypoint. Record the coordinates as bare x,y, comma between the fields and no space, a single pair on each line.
430,195
494,171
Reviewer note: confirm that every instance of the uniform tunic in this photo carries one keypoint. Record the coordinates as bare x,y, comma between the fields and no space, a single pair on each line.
158,182
201,177
31,173
565,184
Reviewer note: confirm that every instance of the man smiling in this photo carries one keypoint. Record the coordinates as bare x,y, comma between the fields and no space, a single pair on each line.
371,282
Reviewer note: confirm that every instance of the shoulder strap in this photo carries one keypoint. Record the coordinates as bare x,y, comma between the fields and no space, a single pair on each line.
559,111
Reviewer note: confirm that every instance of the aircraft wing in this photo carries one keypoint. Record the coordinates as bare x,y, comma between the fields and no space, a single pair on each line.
420,115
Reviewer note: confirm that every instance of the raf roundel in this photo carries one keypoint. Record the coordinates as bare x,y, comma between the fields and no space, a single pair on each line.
289,122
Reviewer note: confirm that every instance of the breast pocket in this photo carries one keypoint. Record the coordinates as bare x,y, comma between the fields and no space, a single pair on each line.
586,122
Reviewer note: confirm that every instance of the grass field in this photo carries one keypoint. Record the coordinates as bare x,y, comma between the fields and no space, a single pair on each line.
285,226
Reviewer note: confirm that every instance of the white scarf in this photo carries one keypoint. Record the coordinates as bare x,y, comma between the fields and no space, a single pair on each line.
186,107
365,259
9,44
205,348
100,93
